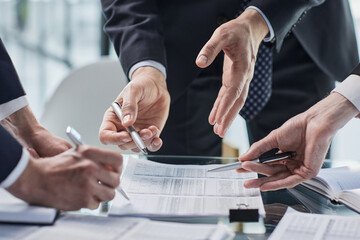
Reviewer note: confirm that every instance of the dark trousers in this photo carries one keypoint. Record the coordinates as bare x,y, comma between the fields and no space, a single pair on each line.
298,83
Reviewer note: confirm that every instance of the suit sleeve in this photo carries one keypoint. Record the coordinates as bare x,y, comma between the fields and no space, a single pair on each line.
11,87
283,15
10,154
356,70
135,29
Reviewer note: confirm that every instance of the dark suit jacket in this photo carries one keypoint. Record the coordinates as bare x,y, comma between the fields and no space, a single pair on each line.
10,88
356,70
173,32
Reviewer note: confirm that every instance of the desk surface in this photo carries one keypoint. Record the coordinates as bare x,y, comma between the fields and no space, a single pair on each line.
275,202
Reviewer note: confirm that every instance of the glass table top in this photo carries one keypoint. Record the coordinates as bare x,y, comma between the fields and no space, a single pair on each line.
275,202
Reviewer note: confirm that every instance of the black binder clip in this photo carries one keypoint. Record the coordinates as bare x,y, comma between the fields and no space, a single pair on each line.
243,214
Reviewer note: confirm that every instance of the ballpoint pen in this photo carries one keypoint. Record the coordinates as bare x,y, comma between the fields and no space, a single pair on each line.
237,165
131,130
75,137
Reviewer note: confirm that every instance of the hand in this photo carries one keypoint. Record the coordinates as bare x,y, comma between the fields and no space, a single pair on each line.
27,130
309,134
145,104
240,40
70,181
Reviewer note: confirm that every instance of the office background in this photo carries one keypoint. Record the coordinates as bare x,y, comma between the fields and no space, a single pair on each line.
47,39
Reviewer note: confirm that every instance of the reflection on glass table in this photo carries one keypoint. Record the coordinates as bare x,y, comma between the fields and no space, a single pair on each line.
275,202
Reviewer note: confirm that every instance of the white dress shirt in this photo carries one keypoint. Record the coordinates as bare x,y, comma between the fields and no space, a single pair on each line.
350,88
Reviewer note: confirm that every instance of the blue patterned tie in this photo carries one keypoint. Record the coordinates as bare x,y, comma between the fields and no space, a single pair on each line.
260,86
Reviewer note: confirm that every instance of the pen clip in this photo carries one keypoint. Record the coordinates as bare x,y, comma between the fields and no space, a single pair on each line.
276,156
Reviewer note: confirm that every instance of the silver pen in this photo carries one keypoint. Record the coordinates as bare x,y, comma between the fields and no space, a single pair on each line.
237,165
131,130
75,137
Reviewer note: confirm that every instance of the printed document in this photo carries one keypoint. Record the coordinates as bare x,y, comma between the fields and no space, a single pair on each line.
299,226
168,190
84,227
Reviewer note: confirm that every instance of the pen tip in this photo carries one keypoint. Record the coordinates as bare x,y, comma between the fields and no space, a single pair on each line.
144,151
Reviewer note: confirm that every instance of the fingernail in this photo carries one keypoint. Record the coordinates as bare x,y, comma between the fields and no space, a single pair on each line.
146,137
126,118
126,140
156,143
202,60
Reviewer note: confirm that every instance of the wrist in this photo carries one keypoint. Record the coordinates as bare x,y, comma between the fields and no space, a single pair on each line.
333,112
257,24
150,73
23,125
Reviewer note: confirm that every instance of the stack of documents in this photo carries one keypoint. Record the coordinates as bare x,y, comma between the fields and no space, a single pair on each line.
299,226
14,210
82,227
167,190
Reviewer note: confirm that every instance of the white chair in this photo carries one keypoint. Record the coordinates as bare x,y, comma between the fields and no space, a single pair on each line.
82,98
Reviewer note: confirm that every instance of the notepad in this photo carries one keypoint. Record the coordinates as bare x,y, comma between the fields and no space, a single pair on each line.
82,227
299,226
340,184
159,190
14,210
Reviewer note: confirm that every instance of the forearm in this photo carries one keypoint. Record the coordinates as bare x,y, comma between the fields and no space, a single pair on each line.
22,124
332,113
134,27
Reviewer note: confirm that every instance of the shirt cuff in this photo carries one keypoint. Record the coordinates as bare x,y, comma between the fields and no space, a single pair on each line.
18,170
350,88
271,30
12,106
148,63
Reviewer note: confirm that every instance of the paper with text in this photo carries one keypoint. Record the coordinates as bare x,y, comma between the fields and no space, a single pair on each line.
168,190
83,227
299,226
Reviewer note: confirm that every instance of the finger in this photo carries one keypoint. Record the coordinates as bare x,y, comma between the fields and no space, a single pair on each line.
146,136
216,105
233,112
130,98
288,182
115,138
33,153
255,183
155,144
111,158
93,203
260,147
107,176
102,192
137,150
263,169
210,50
234,83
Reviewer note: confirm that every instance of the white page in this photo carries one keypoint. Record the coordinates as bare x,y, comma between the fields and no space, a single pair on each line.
13,209
82,227
15,231
299,226
157,189
339,179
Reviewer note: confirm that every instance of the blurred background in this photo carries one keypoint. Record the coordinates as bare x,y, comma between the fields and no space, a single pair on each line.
47,39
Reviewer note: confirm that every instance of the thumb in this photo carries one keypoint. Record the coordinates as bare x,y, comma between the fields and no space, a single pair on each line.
210,50
129,109
264,145
33,153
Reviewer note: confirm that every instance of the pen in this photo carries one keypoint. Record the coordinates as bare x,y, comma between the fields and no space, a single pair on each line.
131,130
237,165
75,137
